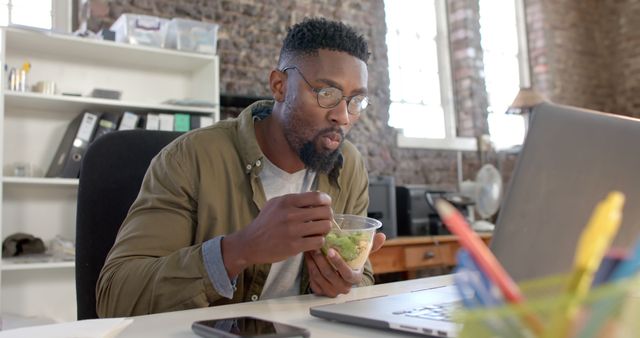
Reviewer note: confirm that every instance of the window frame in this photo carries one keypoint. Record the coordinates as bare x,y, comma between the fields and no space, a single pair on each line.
61,15
523,45
452,141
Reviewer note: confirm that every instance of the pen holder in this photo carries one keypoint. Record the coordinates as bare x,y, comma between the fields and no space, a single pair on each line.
610,310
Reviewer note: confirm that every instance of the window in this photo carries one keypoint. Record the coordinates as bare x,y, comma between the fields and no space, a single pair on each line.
413,60
420,75
502,68
420,72
44,14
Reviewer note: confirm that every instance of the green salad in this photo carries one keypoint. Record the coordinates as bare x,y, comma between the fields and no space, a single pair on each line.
348,245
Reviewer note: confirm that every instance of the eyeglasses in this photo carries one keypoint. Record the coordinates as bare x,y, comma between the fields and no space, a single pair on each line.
329,97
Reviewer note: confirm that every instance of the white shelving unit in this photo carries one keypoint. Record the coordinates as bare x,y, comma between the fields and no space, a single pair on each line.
32,125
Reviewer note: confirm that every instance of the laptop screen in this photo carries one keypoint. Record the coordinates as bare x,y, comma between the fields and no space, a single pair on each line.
572,158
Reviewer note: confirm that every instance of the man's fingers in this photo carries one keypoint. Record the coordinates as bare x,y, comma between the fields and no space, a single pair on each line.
335,270
378,241
309,199
316,276
312,270
348,276
311,243
313,228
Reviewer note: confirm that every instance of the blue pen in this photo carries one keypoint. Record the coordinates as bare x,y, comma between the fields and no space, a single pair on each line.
629,266
605,309
461,279
477,291
476,280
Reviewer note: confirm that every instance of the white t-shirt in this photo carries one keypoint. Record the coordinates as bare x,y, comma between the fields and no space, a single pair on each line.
284,276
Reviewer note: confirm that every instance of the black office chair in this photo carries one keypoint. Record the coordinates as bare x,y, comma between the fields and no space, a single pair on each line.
110,178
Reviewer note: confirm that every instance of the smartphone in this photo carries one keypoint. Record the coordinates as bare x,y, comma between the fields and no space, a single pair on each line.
246,327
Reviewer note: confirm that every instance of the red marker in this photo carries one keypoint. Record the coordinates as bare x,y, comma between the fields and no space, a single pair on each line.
457,224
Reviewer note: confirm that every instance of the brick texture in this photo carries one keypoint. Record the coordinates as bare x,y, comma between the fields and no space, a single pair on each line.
583,53
587,53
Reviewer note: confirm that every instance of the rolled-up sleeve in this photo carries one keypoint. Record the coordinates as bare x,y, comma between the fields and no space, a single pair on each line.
212,255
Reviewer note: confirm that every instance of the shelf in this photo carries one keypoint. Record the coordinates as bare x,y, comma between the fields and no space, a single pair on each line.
240,101
41,181
72,104
105,52
9,266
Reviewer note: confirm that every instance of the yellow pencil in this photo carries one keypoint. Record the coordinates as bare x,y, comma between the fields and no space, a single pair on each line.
592,245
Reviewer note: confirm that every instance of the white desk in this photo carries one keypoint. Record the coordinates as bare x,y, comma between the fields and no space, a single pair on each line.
290,310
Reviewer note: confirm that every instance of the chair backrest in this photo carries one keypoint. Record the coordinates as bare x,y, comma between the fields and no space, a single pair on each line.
110,178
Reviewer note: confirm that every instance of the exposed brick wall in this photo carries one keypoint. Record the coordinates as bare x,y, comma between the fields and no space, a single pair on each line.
624,45
584,53
574,37
467,67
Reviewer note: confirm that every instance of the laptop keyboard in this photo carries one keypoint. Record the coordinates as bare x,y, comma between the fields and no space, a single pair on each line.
443,311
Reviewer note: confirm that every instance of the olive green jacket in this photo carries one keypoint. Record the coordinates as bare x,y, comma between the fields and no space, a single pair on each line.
204,184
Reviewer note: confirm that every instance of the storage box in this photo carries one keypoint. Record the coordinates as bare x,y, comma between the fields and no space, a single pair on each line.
192,36
140,29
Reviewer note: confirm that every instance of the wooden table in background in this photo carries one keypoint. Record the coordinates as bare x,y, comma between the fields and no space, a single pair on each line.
412,253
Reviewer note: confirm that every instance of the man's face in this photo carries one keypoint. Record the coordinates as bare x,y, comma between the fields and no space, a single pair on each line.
314,132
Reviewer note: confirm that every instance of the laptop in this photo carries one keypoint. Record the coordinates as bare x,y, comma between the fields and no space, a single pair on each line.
571,159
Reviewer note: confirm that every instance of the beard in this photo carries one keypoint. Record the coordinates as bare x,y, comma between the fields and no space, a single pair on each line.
307,147
318,161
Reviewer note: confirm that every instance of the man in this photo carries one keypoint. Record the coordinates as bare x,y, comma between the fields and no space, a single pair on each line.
238,211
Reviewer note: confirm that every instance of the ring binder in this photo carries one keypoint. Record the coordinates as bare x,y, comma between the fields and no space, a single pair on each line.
67,159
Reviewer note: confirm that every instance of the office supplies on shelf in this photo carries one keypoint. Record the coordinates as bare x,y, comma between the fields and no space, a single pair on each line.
181,122
152,122
23,85
200,121
191,102
23,169
67,159
108,122
13,79
106,94
128,121
34,124
192,36
166,121
139,29
18,77
593,243
44,87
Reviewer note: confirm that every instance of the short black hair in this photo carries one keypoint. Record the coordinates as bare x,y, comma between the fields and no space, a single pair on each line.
306,37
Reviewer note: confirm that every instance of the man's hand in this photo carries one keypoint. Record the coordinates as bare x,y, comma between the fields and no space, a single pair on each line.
378,241
329,281
286,226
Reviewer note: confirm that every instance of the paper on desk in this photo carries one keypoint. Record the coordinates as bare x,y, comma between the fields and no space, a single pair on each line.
90,328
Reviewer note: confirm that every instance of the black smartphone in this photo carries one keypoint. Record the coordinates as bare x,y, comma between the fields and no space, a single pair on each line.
246,327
